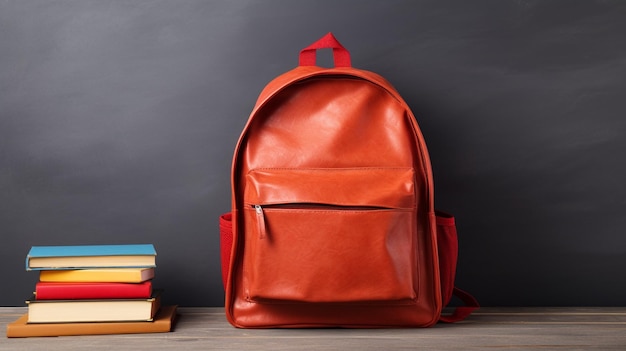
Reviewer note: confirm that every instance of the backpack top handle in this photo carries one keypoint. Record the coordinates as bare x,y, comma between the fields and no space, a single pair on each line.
341,56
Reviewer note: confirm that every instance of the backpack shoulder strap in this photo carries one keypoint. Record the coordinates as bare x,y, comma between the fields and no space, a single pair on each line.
461,312
448,249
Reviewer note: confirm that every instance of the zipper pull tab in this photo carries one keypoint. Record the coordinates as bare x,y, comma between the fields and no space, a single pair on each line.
260,220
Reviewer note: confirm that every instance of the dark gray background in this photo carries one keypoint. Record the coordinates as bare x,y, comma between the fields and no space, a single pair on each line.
118,120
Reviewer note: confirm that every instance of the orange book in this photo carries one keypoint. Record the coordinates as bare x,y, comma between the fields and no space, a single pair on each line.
100,275
163,323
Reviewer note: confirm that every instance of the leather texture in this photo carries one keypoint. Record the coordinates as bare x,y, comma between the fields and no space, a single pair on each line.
333,221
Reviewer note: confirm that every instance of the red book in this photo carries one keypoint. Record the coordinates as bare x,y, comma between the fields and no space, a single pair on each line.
77,291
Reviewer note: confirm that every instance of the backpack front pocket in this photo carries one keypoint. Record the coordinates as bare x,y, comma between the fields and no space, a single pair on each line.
330,235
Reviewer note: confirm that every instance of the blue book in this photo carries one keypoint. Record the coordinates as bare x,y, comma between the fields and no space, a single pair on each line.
91,256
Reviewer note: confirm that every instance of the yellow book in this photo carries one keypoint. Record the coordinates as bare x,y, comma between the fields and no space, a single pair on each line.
105,275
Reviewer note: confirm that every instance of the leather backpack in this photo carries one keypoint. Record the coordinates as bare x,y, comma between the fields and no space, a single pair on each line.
333,221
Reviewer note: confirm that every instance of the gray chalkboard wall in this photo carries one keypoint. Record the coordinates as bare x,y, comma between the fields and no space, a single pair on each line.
118,120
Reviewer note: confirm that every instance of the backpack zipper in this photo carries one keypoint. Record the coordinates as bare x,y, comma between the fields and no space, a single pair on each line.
260,215
320,206
260,220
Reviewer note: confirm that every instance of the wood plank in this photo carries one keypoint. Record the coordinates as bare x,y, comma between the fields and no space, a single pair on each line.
489,328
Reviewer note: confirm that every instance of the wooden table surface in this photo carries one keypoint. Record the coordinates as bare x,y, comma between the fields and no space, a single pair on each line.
487,329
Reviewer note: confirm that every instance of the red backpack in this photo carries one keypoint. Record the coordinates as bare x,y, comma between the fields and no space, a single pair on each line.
333,221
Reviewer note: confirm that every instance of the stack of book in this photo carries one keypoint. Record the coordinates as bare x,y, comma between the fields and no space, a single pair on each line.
93,289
